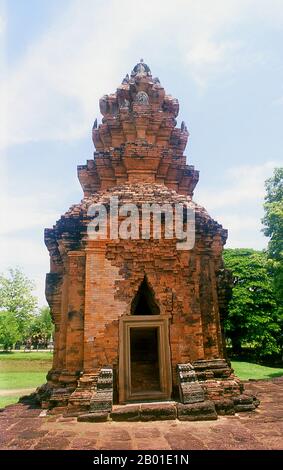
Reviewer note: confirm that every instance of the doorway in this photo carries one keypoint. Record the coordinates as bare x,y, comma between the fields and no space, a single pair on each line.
144,352
144,358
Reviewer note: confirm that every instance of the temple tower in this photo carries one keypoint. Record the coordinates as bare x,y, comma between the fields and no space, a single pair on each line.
138,318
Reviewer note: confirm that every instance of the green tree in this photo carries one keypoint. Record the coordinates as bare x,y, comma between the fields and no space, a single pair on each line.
41,328
9,331
273,221
16,297
46,322
253,316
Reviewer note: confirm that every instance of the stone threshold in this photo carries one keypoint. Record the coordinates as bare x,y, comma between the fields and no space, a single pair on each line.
145,402
154,412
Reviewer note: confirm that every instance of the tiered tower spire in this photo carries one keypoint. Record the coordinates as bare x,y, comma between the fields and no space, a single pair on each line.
137,140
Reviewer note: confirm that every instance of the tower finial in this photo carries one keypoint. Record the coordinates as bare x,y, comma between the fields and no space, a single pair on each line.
141,68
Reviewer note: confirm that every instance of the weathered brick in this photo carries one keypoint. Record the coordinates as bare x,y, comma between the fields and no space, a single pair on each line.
197,411
92,284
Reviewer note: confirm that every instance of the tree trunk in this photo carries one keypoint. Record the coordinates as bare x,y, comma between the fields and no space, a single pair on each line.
236,344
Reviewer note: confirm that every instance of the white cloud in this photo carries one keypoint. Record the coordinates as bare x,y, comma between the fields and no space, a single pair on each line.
278,101
19,251
30,214
206,57
3,20
240,221
244,230
237,203
18,212
241,185
29,255
23,213
52,92
2,25
206,52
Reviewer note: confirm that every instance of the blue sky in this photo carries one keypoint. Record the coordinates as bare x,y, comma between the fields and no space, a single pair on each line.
221,59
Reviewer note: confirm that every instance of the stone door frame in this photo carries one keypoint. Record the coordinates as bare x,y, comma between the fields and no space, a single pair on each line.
144,321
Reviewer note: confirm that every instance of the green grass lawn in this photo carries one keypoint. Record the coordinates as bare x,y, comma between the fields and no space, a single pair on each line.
23,356
5,401
248,370
14,380
20,370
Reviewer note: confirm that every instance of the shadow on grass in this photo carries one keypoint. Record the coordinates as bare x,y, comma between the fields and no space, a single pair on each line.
30,400
275,374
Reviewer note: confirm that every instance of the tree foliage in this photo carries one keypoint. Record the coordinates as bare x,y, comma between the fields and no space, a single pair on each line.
16,297
17,307
273,221
9,330
253,317
20,319
41,328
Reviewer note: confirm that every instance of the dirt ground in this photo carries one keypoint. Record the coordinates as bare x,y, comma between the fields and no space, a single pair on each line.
21,427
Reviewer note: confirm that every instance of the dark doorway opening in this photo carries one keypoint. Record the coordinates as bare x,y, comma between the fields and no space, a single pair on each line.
144,347
144,302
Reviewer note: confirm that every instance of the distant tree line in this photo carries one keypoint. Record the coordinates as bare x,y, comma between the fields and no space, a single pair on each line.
22,323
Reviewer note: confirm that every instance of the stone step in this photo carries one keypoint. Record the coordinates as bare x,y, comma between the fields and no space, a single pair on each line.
93,417
145,412
196,411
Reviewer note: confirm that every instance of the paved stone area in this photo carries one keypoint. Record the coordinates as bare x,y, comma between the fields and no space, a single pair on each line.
22,428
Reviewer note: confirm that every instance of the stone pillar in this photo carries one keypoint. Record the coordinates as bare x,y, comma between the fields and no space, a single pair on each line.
54,297
95,259
75,315
208,306
197,300
102,309
63,324
217,325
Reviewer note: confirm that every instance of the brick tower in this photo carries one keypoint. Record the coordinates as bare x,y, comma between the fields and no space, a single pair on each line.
136,319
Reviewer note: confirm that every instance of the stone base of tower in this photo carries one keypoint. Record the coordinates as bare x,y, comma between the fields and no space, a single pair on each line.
207,388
